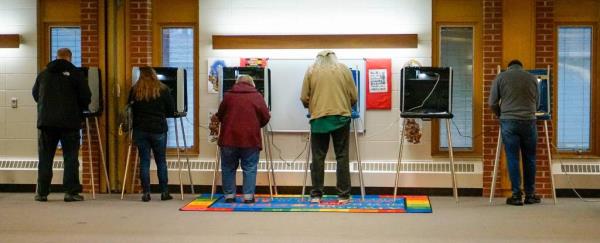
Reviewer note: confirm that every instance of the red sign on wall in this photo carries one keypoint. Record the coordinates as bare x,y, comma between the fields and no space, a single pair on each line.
379,84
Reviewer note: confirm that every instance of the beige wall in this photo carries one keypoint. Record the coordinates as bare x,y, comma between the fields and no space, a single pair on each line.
380,142
18,135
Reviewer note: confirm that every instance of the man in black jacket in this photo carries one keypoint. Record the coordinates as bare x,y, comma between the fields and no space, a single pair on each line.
62,94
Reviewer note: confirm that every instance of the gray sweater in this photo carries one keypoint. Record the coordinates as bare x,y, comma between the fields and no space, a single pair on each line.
514,94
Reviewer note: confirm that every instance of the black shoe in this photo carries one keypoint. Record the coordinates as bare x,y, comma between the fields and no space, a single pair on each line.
41,198
73,198
229,200
249,201
165,196
514,200
146,197
531,199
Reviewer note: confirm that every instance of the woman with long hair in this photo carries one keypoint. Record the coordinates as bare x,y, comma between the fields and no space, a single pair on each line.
151,104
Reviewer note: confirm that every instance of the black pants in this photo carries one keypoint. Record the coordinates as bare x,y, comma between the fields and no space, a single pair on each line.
48,139
319,146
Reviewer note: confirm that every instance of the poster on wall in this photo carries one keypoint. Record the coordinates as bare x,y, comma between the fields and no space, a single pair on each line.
213,71
379,84
253,62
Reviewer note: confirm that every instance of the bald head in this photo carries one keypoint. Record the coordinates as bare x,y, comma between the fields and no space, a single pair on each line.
64,53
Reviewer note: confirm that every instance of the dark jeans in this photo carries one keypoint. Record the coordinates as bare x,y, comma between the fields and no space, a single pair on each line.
319,146
520,136
157,142
48,139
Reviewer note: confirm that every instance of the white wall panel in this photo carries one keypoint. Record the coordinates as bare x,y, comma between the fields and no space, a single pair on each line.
292,17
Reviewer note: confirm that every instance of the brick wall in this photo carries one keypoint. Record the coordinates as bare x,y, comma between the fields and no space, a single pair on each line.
492,57
90,58
544,56
140,45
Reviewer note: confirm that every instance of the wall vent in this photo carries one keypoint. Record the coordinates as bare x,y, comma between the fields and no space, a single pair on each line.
580,169
368,166
26,165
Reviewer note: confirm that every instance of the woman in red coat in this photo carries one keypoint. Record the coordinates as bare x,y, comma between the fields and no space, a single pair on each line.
242,113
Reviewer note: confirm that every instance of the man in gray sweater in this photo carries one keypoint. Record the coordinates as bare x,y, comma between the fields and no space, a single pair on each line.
514,98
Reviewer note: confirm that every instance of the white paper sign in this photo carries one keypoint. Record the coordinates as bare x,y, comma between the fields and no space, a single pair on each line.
378,81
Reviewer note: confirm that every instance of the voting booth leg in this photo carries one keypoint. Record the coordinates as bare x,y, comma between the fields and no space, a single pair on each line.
496,162
550,159
178,158
187,157
217,165
135,168
89,142
102,156
399,163
306,167
269,175
269,142
126,166
359,162
451,154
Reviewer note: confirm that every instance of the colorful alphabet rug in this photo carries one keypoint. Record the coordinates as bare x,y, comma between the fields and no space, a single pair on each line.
295,203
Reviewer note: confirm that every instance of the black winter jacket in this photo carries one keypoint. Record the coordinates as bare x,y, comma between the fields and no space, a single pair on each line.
62,94
151,116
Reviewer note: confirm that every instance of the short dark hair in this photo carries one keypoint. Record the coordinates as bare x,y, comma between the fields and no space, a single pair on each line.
517,62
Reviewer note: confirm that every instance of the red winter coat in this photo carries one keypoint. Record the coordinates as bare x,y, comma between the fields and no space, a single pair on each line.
242,113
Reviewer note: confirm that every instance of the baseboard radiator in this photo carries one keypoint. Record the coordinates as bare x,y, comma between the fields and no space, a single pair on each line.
376,173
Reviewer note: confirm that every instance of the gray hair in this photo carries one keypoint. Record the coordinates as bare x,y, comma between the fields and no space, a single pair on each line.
326,59
243,78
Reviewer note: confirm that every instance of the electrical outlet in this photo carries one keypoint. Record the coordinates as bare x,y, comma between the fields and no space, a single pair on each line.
14,102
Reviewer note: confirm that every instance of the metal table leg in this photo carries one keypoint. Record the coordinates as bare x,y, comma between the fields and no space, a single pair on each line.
360,171
187,157
306,167
496,162
550,160
102,156
178,158
89,141
399,163
451,154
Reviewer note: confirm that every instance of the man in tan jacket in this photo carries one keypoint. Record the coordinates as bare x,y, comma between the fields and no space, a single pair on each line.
329,92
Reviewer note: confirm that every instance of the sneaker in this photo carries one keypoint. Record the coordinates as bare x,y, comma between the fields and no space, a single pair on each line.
41,198
230,200
249,201
531,199
73,197
165,196
145,197
514,200
315,199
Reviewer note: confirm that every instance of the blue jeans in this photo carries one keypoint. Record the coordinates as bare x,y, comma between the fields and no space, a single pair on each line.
146,141
230,160
520,137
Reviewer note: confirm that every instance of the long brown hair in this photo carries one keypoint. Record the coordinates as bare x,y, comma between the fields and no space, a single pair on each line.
147,86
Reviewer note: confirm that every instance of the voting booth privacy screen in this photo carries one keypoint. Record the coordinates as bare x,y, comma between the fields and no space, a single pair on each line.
544,88
426,90
92,76
261,77
176,80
